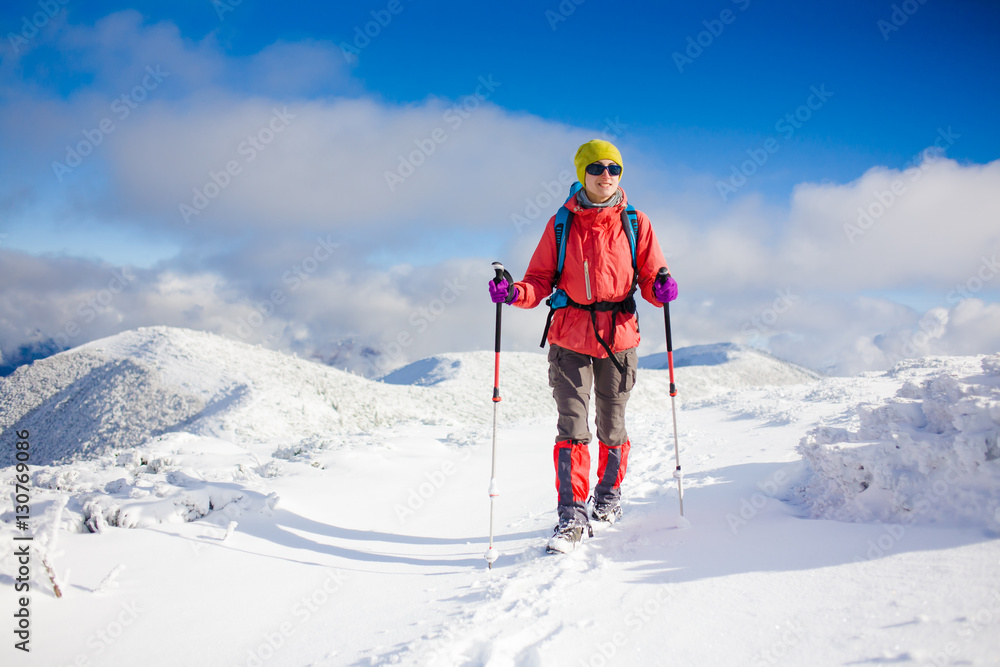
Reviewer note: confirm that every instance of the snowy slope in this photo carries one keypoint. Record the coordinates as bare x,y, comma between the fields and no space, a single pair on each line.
205,502
704,368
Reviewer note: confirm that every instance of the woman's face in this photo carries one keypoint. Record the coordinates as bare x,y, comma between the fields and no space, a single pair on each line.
600,188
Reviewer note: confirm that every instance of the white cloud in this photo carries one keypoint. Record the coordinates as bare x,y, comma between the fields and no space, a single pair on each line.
323,165
298,69
973,328
404,312
931,235
255,144
925,226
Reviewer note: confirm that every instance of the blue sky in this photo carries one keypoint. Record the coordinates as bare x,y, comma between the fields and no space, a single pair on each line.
753,134
890,85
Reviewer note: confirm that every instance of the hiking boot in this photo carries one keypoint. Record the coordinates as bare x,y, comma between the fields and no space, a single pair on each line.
609,511
567,536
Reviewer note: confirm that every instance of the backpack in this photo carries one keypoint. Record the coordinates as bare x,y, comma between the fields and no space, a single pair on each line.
559,299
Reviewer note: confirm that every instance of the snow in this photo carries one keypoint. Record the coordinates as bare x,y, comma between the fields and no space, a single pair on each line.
727,365
206,502
928,454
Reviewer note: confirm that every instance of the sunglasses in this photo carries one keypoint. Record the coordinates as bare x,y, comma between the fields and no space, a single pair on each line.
596,169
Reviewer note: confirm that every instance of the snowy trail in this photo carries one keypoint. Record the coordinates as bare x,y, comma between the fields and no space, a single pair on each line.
365,545
786,583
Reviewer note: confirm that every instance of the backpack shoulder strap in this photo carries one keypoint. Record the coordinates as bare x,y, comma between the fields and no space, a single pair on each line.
630,223
561,226
563,221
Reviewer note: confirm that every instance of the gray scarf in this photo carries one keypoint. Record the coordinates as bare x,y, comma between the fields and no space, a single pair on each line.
584,200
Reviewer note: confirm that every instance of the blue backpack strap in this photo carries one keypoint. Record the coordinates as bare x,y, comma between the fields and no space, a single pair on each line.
561,225
630,223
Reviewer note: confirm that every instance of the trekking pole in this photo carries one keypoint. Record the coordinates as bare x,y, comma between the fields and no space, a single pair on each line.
662,276
491,553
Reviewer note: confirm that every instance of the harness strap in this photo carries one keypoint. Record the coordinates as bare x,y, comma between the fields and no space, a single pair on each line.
625,305
548,323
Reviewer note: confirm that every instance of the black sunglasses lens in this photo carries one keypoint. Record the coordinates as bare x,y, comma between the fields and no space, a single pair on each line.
596,169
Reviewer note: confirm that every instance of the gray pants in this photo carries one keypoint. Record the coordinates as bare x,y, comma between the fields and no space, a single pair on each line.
571,376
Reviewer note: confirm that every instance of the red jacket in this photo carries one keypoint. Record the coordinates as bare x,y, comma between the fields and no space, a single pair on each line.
598,267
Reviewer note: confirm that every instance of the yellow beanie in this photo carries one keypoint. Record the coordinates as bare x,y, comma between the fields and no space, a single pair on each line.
592,151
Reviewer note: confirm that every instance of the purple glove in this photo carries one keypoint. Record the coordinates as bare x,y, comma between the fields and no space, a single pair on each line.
665,291
502,293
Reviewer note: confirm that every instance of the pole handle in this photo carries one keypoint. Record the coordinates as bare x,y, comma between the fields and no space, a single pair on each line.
498,267
661,277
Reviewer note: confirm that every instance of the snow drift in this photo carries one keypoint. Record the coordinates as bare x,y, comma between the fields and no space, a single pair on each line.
928,455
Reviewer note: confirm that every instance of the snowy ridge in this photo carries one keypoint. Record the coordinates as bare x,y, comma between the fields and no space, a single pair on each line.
120,391
928,454
703,369
700,371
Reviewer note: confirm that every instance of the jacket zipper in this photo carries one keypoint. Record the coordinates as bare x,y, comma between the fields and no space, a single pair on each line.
586,279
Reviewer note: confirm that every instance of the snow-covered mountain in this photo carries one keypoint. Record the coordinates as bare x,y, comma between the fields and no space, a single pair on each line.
287,513
728,365
26,353
120,391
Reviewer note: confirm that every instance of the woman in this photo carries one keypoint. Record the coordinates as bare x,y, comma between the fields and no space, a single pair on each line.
593,336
